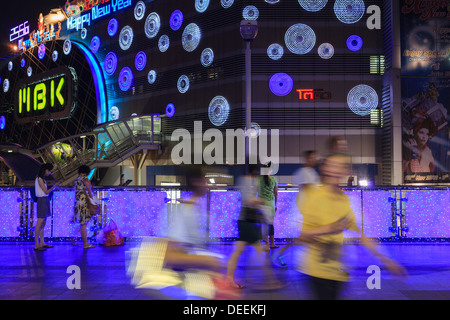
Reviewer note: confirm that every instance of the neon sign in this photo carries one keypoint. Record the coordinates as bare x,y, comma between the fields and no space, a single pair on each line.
313,94
20,31
48,97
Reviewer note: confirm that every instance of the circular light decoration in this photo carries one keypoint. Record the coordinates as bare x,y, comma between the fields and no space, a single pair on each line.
281,84
300,38
125,79
354,43
114,113
10,66
326,51
163,43
55,55
110,63
152,25
95,44
5,85
226,3
83,33
272,1
126,38
151,77
191,37
201,5
250,13
29,71
139,10
113,26
207,57
255,129
41,51
170,110
313,5
140,61
218,111
349,11
275,51
183,84
2,122
362,99
176,20
67,46
22,63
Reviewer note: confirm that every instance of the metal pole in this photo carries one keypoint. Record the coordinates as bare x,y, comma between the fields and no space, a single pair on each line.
248,99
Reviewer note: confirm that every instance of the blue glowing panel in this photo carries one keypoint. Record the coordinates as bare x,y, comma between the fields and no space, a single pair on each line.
55,56
207,57
201,5
113,26
300,38
63,210
83,33
126,38
275,51
183,84
67,46
250,13
218,110
41,51
22,63
377,214
170,110
349,11
95,44
2,123
225,208
281,84
326,51
140,61
226,3
5,85
176,20
114,113
163,43
362,99
29,71
10,66
125,79
354,43
313,5
151,77
139,10
110,63
354,197
191,37
9,213
152,25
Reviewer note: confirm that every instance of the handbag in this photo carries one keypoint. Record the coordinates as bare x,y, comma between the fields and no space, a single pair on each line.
253,215
93,205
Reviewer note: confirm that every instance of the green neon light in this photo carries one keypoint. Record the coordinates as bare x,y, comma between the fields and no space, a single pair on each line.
40,99
59,96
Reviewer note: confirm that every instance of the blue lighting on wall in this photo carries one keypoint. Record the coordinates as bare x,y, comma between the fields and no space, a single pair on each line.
300,38
281,84
163,43
275,51
125,79
207,57
226,3
201,5
250,13
362,99
191,37
218,110
170,110
22,63
95,44
176,20
152,25
140,61
126,38
2,122
326,51
113,26
183,84
349,11
354,43
151,77
41,51
314,5
139,10
110,63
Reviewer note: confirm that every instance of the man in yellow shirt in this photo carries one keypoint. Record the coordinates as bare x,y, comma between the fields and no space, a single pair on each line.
326,213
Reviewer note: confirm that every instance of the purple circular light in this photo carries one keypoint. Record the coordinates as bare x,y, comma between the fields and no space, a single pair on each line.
354,43
113,26
22,63
41,51
125,79
176,20
110,63
281,84
140,61
170,110
95,44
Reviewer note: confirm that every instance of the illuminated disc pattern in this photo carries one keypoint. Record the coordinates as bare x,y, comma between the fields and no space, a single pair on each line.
362,99
41,51
5,85
300,38
125,79
281,84
326,50
83,33
176,20
67,46
139,10
250,13
183,84
275,51
2,122
152,25
218,111
140,61
55,55
114,113
29,71
151,77
349,11
113,26
191,37
313,5
10,65
207,57
126,38
226,3
22,63
95,44
110,63
201,5
354,43
163,43
170,110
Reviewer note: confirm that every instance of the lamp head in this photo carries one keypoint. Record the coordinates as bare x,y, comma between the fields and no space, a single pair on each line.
249,29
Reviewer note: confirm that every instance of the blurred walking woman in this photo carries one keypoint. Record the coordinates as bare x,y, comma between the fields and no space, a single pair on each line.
83,190
43,205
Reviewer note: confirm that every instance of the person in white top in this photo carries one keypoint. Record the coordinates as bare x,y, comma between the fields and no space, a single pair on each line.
43,205
307,175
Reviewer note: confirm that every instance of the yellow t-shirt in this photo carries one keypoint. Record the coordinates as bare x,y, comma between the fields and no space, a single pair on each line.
321,206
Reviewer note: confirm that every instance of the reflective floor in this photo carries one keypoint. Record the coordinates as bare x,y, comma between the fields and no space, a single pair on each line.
26,274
